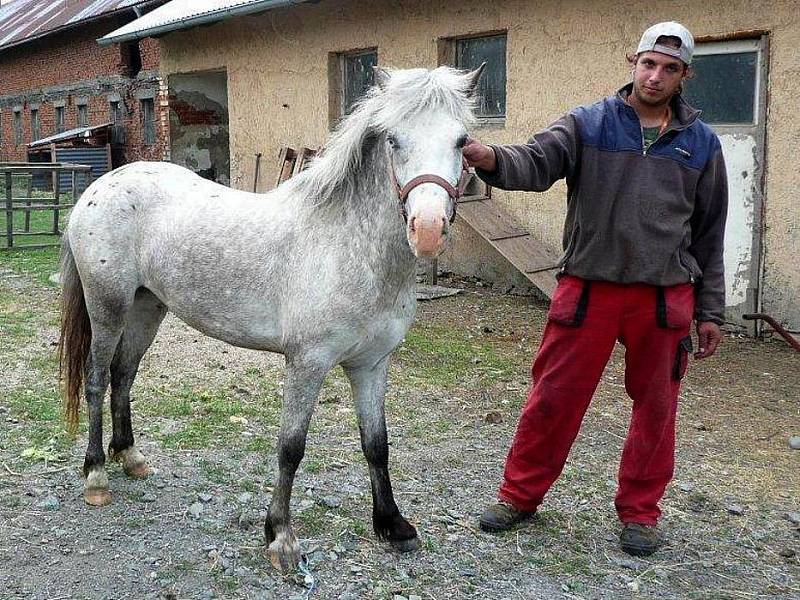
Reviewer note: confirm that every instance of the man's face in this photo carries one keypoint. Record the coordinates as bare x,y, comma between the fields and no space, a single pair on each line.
656,77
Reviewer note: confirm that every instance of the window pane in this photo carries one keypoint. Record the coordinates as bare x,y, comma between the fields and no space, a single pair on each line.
470,53
724,87
17,127
83,115
35,131
358,76
60,125
148,121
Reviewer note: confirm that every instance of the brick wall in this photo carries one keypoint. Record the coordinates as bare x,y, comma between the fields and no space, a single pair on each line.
70,68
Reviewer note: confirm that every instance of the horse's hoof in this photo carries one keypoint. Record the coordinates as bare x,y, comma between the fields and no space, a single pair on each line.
284,555
138,471
97,497
409,545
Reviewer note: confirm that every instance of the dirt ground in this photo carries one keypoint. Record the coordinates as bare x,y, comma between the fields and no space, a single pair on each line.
206,416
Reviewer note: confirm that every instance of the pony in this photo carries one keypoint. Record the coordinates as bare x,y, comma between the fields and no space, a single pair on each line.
321,269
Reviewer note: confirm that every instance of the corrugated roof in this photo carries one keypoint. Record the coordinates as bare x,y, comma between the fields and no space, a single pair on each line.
78,132
25,20
184,14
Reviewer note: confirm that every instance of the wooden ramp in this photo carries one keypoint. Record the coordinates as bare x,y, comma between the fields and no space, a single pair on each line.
492,222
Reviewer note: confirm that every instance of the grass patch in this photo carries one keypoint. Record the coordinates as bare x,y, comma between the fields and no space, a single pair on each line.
210,416
436,355
39,264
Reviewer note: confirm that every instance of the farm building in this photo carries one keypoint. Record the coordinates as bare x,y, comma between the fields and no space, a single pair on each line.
65,98
249,77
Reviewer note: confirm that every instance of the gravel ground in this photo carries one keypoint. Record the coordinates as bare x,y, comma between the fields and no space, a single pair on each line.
206,416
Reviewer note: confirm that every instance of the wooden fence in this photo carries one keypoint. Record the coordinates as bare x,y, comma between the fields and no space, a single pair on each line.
21,197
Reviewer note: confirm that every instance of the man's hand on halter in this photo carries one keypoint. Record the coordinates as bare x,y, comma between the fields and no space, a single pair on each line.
708,338
479,155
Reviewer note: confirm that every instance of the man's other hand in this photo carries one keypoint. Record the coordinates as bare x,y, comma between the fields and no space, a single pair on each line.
708,338
479,155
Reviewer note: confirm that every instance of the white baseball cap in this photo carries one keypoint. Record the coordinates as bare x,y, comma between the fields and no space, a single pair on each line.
671,29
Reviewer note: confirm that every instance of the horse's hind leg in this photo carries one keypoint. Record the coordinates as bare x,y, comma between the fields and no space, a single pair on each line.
106,331
303,382
369,388
141,325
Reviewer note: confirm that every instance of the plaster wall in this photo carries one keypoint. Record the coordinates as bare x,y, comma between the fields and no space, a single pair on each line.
560,54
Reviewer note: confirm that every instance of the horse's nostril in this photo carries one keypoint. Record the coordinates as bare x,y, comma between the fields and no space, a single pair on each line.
444,226
411,223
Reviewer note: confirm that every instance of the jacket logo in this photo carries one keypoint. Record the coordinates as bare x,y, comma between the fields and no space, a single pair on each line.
686,153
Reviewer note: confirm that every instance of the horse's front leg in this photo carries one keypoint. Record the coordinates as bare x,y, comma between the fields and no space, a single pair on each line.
369,388
303,382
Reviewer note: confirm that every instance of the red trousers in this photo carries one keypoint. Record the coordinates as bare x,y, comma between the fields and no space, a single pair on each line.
585,320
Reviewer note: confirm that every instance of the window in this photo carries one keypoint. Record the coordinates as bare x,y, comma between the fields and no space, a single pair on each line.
148,121
357,76
83,115
115,116
61,122
725,85
469,53
130,59
17,127
36,129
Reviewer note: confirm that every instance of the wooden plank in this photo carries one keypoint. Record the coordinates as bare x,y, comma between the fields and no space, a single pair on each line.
41,207
286,160
511,240
32,246
9,211
304,157
490,220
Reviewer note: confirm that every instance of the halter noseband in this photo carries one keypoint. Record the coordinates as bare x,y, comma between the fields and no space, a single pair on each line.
403,192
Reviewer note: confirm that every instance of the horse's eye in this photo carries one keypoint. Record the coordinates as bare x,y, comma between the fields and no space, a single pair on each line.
392,141
462,141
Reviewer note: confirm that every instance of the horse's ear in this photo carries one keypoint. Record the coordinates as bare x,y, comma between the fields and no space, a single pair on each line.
381,77
474,78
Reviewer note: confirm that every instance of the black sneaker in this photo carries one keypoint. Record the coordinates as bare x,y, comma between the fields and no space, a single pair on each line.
501,516
639,540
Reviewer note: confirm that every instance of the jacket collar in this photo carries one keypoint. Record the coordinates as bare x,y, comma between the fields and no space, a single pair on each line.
683,114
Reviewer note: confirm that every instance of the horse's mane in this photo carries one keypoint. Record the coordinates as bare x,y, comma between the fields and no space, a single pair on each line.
407,94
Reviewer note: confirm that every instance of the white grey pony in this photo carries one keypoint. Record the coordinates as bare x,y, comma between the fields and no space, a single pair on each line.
321,269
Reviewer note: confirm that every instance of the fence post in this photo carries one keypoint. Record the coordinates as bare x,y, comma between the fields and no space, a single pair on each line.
9,211
56,194
28,195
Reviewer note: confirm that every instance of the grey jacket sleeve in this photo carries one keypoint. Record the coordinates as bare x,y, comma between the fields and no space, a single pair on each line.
708,239
550,155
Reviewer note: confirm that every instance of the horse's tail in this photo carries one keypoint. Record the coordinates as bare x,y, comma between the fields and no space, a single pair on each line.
76,336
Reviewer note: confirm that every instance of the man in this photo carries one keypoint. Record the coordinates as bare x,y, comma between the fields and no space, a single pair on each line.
643,257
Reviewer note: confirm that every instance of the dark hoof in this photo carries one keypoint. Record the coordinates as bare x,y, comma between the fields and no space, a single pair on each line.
409,545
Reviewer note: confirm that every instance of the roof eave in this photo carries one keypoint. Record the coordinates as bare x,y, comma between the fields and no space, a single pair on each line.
196,21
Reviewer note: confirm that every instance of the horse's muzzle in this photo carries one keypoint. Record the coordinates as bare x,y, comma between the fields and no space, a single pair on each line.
427,234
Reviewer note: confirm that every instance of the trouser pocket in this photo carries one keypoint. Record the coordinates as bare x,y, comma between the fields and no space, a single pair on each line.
682,358
570,301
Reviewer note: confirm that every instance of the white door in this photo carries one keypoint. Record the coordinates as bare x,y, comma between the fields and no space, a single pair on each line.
728,86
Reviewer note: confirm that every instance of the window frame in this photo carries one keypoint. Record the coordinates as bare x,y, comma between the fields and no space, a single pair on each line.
337,82
18,127
60,124
36,124
448,54
82,110
116,118
719,47
149,136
